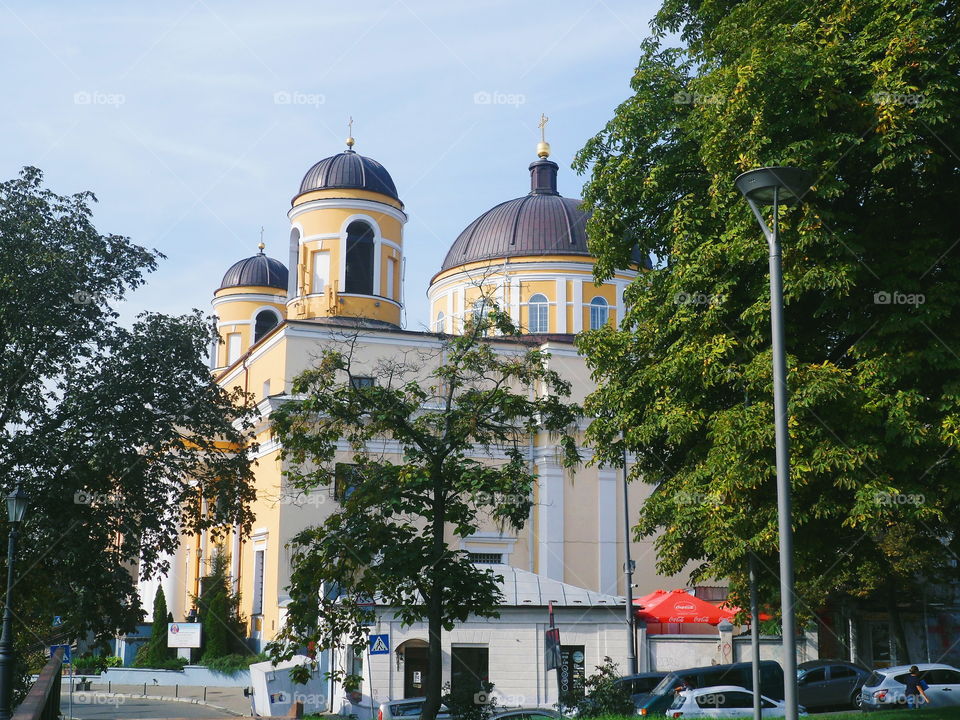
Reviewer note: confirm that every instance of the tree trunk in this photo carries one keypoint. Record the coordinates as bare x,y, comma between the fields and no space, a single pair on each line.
896,626
434,684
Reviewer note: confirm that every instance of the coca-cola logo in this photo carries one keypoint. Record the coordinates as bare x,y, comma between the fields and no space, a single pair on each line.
684,607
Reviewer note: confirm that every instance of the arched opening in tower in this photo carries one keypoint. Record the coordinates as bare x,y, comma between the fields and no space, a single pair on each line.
359,262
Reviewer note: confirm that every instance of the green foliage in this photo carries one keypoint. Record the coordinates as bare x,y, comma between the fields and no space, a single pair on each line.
233,663
117,432
223,628
469,397
470,704
602,695
865,95
145,658
155,652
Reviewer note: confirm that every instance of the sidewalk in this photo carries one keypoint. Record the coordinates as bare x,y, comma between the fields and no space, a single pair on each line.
228,699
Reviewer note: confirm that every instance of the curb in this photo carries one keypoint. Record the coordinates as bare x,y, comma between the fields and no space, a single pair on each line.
162,698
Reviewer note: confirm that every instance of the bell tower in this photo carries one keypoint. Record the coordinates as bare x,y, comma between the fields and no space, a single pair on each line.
346,242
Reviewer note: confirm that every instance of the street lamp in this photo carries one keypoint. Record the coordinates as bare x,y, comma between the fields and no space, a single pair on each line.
17,502
761,187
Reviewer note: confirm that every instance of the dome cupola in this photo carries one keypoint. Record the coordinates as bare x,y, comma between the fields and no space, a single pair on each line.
256,271
349,171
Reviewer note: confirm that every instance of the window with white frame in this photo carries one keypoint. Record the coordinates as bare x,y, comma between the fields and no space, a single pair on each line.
439,324
599,313
538,308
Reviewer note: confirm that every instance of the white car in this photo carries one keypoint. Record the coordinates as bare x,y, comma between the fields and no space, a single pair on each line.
884,689
723,701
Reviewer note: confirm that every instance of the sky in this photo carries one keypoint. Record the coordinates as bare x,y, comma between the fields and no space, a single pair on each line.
194,122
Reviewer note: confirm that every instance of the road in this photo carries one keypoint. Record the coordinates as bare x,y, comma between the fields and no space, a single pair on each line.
97,706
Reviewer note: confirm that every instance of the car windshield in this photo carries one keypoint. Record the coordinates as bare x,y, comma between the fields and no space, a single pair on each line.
666,685
875,679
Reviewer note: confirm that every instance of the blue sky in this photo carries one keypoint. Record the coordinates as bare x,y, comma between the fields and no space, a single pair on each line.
194,122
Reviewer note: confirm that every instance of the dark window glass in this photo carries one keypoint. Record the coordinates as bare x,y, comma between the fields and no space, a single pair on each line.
267,320
469,669
941,677
359,261
815,675
841,671
486,558
359,381
738,700
346,480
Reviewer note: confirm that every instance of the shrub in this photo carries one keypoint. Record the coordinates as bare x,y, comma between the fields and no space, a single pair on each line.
603,695
233,663
470,704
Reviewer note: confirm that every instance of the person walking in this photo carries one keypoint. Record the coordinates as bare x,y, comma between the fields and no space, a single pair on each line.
916,688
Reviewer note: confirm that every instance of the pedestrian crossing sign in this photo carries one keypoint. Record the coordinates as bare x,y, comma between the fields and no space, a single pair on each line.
379,644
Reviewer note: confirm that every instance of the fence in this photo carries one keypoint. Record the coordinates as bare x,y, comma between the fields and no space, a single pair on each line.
43,699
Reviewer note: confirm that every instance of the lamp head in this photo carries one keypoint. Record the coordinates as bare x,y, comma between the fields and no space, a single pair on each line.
17,503
758,185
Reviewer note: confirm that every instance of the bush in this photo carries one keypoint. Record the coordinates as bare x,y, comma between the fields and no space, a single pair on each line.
154,653
233,663
470,704
146,659
603,695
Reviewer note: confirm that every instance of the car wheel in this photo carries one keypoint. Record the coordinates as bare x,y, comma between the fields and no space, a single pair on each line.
856,701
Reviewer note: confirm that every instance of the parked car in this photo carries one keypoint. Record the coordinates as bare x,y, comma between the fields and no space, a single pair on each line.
641,683
830,683
533,713
723,701
735,674
884,689
410,708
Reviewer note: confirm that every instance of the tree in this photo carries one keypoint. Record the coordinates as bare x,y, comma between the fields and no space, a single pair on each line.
389,537
866,96
223,629
119,434
154,653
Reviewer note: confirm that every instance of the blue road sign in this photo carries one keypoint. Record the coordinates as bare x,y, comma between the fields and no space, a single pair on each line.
57,621
66,652
379,644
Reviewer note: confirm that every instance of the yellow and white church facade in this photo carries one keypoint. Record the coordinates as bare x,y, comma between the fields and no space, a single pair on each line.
344,273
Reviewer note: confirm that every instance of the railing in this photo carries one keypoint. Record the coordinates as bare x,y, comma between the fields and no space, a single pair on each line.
43,699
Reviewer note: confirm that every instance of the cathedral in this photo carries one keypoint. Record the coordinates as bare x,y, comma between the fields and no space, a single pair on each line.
345,271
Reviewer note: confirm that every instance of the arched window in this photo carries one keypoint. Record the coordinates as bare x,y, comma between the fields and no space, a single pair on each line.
539,314
439,325
599,313
266,321
359,263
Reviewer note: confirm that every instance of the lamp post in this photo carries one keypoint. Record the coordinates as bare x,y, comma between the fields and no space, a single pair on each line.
761,187
628,567
17,502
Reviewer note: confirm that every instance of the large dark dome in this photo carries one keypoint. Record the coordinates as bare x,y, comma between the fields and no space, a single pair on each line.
259,271
541,223
349,170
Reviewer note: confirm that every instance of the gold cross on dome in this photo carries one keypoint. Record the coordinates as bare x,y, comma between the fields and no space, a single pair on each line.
350,126
261,245
543,127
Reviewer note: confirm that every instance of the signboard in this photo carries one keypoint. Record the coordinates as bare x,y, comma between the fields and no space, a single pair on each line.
571,673
66,652
551,649
183,635
379,644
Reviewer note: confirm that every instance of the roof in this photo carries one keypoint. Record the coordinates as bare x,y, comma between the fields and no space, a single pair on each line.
543,222
522,588
349,170
259,271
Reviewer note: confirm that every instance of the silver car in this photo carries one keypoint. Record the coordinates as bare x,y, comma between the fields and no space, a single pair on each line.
410,708
884,690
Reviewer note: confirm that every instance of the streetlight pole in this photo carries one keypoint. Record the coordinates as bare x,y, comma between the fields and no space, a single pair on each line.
628,571
16,507
761,187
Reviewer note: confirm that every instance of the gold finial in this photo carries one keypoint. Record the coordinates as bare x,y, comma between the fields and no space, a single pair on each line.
350,140
261,245
543,147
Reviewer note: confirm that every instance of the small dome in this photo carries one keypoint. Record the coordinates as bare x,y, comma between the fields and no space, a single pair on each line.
258,271
351,171
541,223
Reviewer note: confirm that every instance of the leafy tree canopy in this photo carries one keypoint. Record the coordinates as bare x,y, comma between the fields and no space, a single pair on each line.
415,481
866,96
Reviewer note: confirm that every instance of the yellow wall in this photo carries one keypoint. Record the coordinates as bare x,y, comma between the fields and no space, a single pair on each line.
237,314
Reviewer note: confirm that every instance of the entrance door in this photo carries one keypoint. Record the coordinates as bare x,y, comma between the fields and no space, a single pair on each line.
414,672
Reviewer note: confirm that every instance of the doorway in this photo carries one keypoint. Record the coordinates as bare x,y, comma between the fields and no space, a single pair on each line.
414,672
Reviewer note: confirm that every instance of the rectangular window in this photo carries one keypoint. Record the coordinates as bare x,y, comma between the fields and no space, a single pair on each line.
266,388
362,381
257,608
486,558
345,480
233,348
391,269
469,669
320,261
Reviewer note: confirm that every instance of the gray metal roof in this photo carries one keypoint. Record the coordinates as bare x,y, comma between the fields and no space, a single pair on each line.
349,170
259,270
522,588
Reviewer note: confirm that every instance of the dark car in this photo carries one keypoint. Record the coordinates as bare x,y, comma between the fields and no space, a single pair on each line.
830,683
661,697
641,683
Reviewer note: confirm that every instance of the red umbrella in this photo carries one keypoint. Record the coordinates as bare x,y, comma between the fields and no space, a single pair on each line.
678,606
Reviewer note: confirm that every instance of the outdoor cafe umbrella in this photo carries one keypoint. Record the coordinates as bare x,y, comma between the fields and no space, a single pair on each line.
679,606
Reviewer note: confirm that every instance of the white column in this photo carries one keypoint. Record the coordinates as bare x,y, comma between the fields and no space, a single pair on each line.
620,304
460,310
577,306
235,560
607,530
448,320
562,305
550,542
515,300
